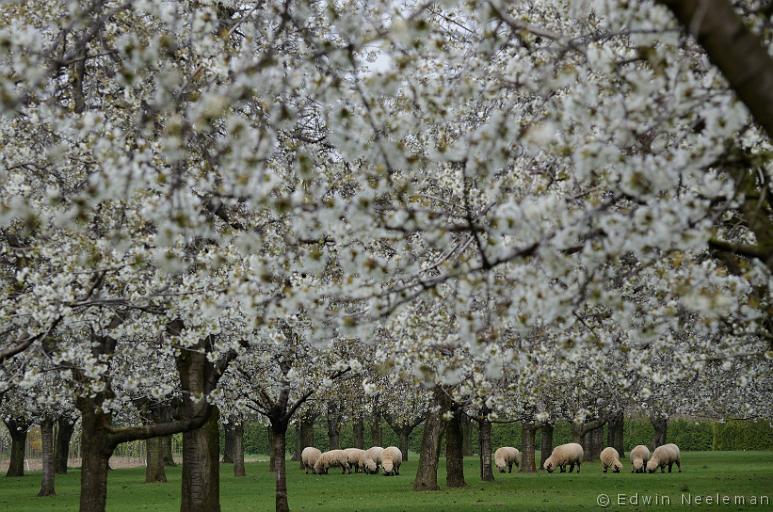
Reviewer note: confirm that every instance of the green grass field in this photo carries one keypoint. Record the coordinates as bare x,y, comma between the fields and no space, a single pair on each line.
705,473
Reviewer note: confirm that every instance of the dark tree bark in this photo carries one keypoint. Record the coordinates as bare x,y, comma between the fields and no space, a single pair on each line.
201,468
528,447
238,450
660,425
376,432
359,432
333,426
593,442
615,433
730,45
404,437
467,435
228,443
166,450
66,427
18,431
546,443
306,433
455,450
271,455
278,440
484,447
96,450
47,443
426,473
154,465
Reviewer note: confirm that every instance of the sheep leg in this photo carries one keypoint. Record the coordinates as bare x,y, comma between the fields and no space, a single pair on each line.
679,465
510,467
571,467
663,468
670,465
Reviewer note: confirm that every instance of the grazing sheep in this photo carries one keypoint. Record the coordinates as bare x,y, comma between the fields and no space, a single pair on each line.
505,457
330,459
355,457
309,457
391,459
373,459
666,455
639,457
610,459
570,453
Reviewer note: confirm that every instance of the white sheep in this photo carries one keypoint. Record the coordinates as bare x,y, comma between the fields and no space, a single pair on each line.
373,459
356,458
391,459
666,455
330,459
309,457
610,459
566,454
505,457
639,457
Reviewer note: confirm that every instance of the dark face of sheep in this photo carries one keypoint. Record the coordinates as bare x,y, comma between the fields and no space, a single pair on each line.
549,467
616,468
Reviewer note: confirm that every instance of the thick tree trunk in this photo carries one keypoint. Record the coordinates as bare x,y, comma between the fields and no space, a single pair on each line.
455,451
593,443
18,432
528,448
66,427
359,433
228,443
615,433
404,437
426,473
466,435
333,428
238,450
376,433
484,449
154,464
95,454
201,468
660,425
47,448
546,443
166,450
278,450
306,434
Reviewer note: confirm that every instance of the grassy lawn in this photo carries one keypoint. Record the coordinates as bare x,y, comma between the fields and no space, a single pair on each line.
705,473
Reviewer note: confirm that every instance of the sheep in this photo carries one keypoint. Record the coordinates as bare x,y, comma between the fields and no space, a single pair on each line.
610,459
332,458
373,459
666,455
391,459
505,457
309,457
355,457
570,453
639,457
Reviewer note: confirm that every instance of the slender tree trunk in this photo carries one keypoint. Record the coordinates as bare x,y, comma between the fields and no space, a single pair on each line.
166,447
546,443
528,447
484,449
660,425
278,440
404,437
66,427
95,455
615,433
201,468
228,444
18,432
426,473
455,451
306,434
376,434
466,435
47,444
333,427
238,450
154,465
359,433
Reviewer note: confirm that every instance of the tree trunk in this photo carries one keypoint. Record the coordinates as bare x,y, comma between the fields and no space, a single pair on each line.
228,444
306,434
660,425
546,443
405,441
455,451
154,465
278,439
467,435
66,427
271,456
333,428
376,434
593,443
166,447
238,450
528,440
359,433
426,473
201,468
18,431
95,455
615,433
484,449
47,447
